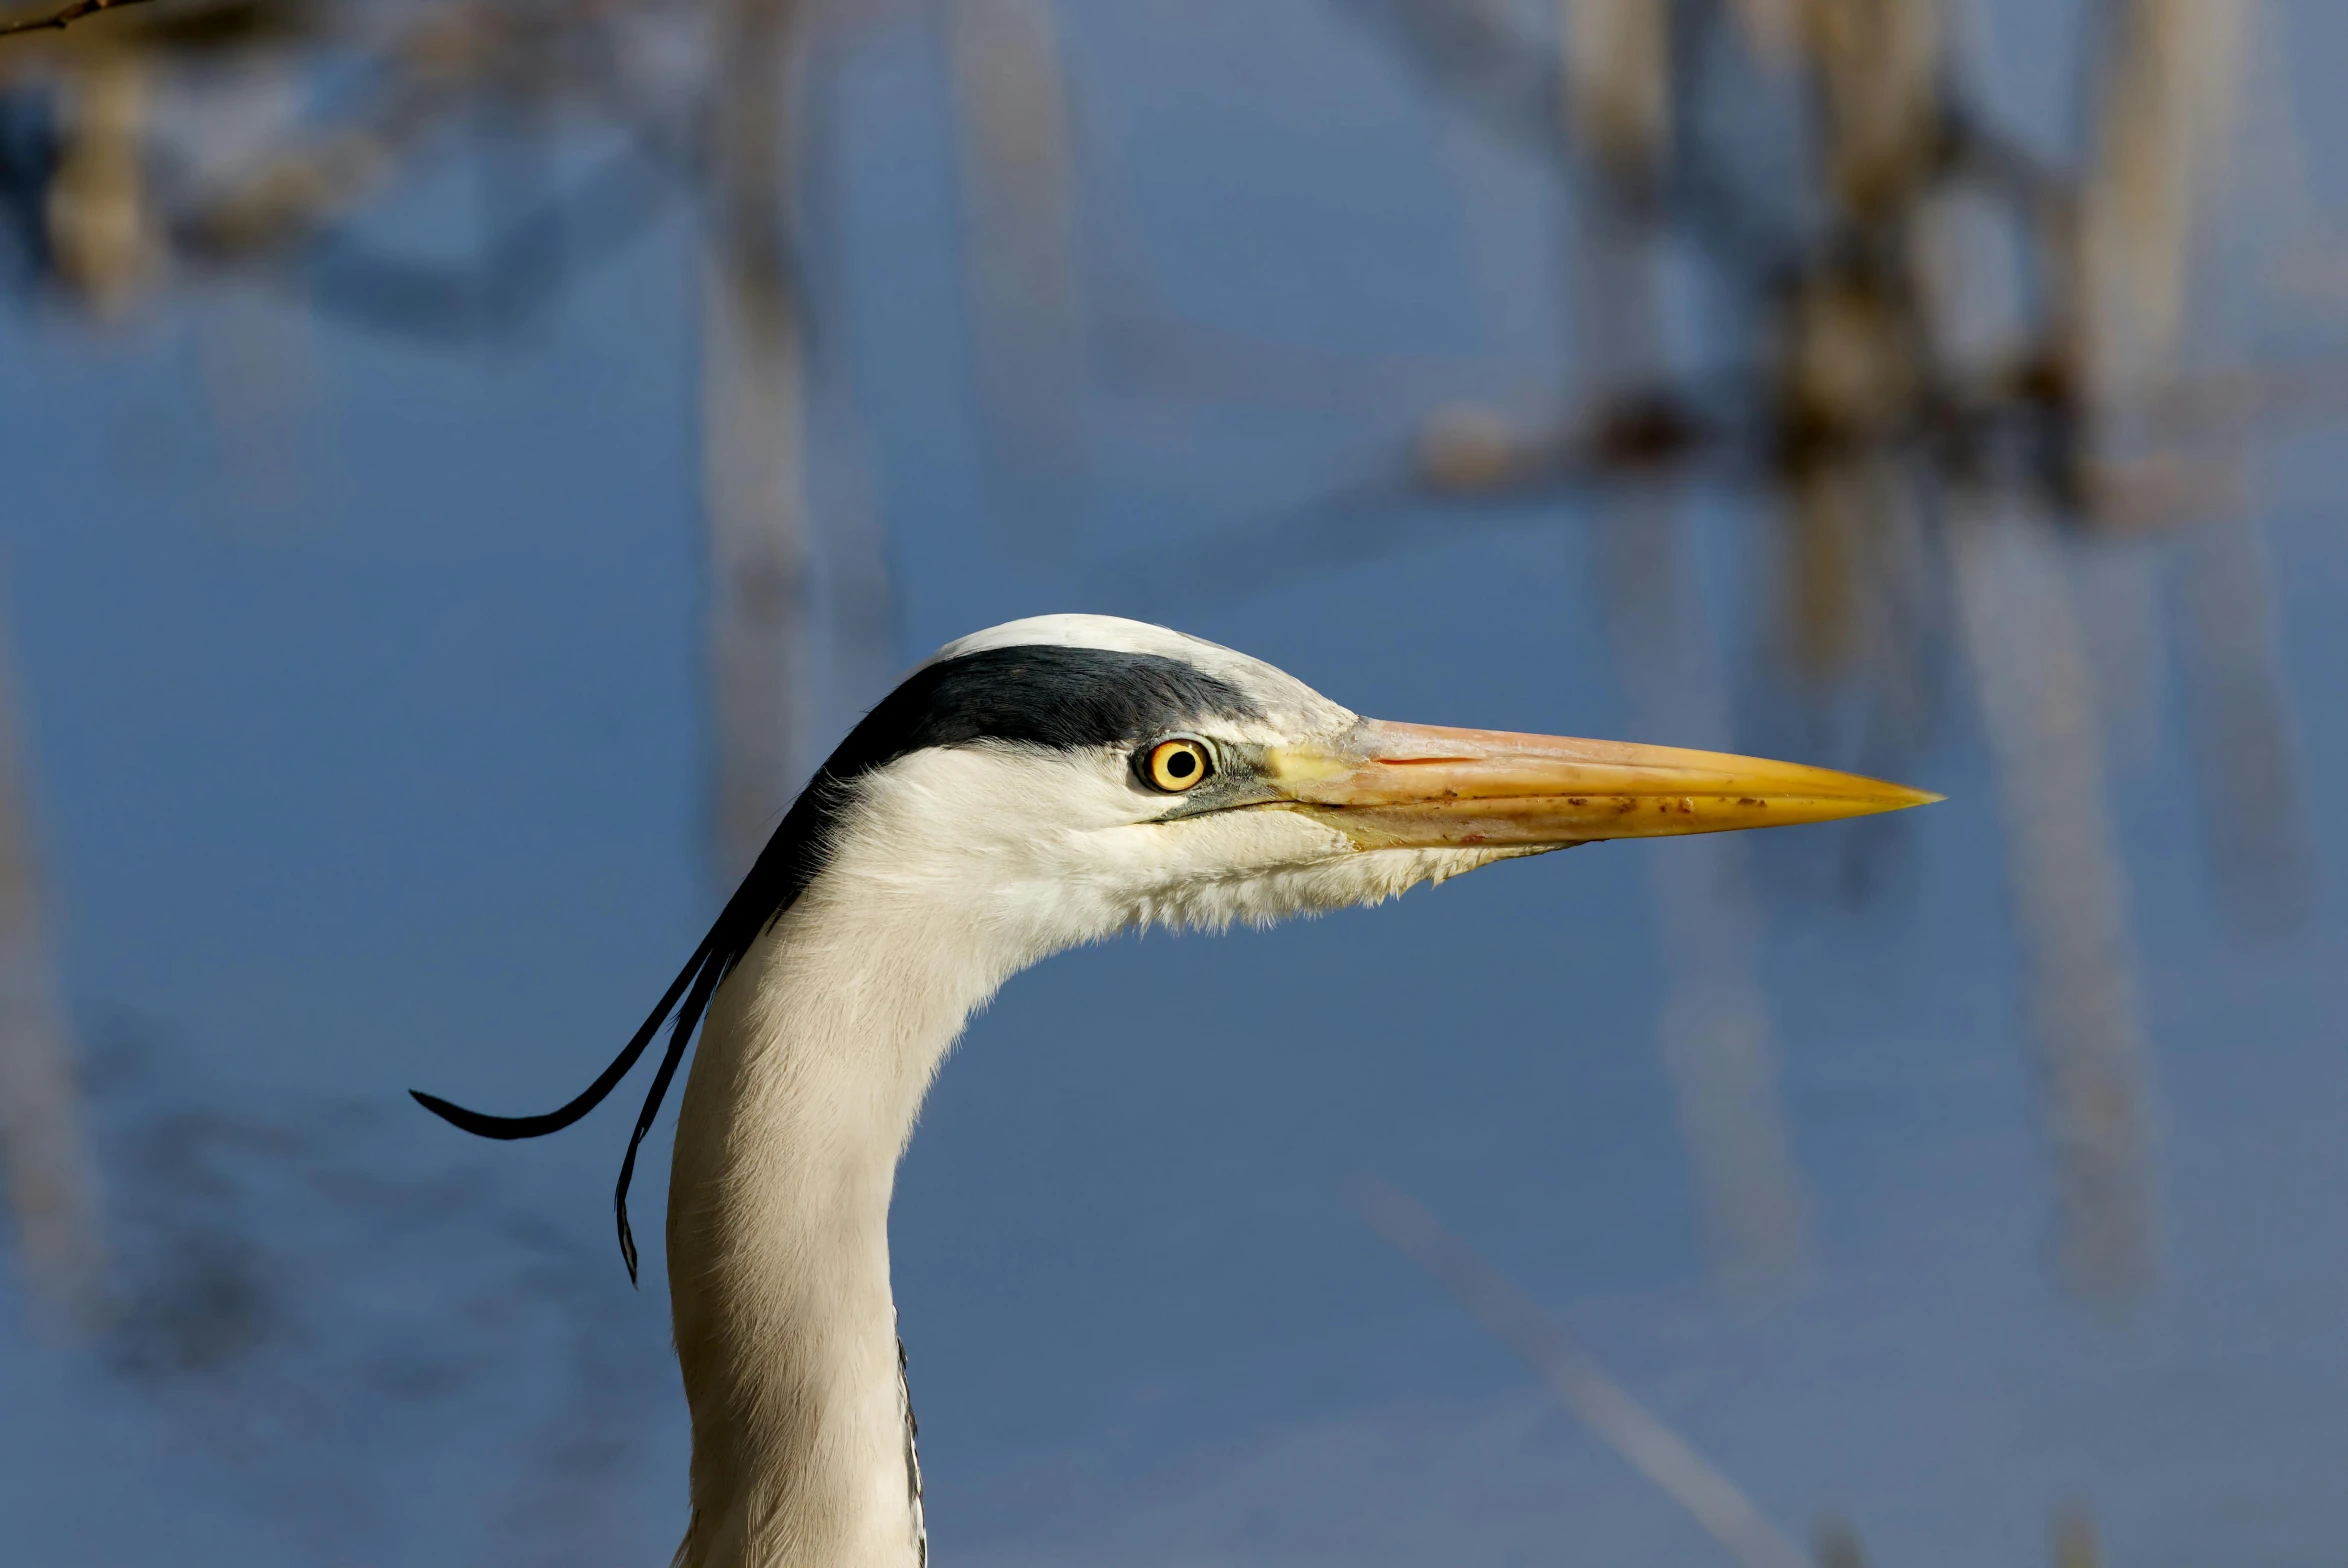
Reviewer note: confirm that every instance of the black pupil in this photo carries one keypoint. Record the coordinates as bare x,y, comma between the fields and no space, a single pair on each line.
1181,764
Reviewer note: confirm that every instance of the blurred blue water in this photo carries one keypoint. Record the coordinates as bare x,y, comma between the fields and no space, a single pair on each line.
399,783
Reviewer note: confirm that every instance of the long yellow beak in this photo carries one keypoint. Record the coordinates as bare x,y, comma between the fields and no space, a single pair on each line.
1395,785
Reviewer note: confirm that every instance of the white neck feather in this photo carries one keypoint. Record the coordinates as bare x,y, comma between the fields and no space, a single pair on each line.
811,1070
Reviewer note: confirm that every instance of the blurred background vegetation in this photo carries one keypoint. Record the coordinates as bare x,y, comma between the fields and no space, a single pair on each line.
1985,369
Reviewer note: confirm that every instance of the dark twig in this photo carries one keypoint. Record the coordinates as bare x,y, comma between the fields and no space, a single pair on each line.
64,17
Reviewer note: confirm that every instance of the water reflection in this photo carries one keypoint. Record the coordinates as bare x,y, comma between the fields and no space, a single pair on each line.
1948,360
1962,388
284,1300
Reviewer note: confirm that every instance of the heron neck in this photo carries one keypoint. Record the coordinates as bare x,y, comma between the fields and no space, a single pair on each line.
811,1070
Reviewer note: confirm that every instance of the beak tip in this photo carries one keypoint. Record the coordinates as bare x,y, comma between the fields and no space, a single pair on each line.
1886,797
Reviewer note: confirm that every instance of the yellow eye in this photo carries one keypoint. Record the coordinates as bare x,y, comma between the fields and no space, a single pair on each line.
1177,765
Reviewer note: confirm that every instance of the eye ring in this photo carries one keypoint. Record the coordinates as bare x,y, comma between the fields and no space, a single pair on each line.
1177,763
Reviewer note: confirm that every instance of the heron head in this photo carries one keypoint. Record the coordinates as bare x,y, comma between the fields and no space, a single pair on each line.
1056,780
1068,776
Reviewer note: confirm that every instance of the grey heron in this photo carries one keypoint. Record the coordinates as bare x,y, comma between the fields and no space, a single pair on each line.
1042,784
